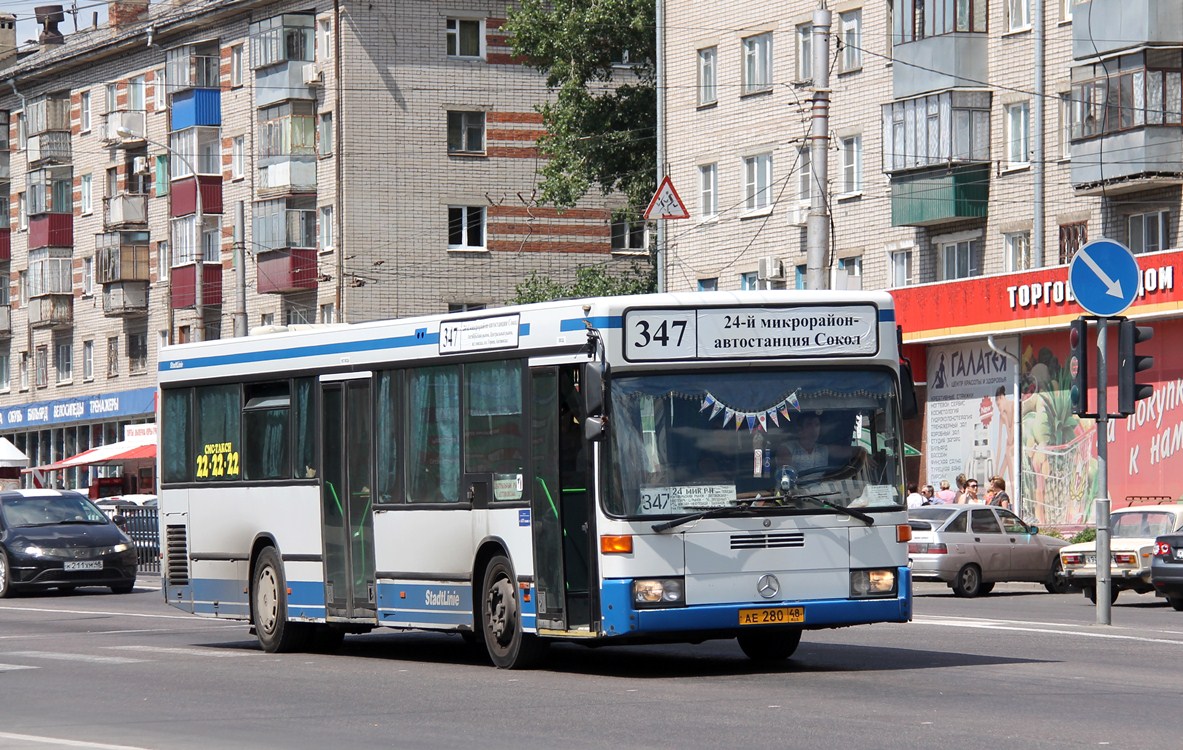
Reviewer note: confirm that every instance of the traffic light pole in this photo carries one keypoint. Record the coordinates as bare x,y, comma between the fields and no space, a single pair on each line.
1104,615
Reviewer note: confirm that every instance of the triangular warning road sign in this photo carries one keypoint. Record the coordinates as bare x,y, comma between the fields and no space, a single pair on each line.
666,204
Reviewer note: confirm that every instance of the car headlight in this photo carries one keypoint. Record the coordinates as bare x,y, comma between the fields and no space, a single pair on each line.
659,592
121,547
33,551
874,582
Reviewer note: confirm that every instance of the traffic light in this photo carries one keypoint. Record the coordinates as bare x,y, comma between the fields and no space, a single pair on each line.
1130,363
1078,366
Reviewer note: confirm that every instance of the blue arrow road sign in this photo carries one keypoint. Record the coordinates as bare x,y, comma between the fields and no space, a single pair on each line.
1104,276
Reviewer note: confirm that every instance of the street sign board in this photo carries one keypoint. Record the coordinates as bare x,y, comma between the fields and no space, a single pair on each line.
666,204
1104,277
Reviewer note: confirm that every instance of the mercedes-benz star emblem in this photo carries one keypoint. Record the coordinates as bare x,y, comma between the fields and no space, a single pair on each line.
768,586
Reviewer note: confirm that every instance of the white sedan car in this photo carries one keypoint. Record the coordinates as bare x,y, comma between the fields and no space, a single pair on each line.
1131,548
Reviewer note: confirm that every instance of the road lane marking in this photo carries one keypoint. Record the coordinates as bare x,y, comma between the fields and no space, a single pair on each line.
982,624
179,650
65,743
191,618
14,667
59,656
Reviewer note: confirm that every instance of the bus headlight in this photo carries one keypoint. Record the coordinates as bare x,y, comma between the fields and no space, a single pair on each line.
874,582
658,592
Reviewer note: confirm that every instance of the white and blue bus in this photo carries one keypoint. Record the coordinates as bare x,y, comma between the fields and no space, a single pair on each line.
656,468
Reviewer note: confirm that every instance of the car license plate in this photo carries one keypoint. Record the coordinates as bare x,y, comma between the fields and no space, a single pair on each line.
1090,559
1179,554
84,565
771,616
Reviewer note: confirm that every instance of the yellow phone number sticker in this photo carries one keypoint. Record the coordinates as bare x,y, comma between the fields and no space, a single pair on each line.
217,461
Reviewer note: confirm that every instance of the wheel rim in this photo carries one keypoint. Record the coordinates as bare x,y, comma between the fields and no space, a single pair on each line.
3,573
969,579
267,599
501,610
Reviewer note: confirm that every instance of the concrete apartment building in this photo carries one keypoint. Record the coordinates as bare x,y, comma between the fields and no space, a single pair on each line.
310,162
975,147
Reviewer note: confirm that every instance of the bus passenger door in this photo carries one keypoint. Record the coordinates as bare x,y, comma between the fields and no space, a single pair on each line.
561,504
346,513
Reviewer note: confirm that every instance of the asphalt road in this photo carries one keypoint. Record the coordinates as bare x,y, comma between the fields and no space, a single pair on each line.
1017,669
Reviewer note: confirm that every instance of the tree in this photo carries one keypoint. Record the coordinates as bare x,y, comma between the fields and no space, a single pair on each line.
590,281
601,125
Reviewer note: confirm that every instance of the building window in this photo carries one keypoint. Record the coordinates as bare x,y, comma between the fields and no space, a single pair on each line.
1018,141
800,275
112,96
22,211
847,273
83,112
324,41
757,63
112,356
804,175
64,361
328,313
852,164
201,148
324,144
852,40
160,92
708,285
749,281
284,38
757,182
1018,15
163,261
86,194
236,67
136,88
465,37
5,365
1143,90
960,259
137,352
87,276
466,132
267,319
455,307
24,371
88,360
466,228
629,236
41,367
50,271
238,157
805,52
708,191
1072,237
1148,232
324,228
1068,109
707,88
901,268
1018,251
919,19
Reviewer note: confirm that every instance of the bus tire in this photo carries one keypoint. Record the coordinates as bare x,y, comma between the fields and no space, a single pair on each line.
769,645
501,619
269,607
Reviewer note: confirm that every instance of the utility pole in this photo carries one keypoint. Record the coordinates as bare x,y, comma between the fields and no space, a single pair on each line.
818,226
660,65
240,328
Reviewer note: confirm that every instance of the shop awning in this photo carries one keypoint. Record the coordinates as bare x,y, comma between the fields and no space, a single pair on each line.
11,456
112,453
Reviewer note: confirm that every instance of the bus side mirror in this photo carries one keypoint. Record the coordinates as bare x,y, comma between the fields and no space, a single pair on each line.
908,406
592,390
593,429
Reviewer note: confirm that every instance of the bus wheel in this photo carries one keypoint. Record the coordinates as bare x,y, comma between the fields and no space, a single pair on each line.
501,620
269,607
769,645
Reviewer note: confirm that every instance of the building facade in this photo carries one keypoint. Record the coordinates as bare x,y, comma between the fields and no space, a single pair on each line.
198,168
974,148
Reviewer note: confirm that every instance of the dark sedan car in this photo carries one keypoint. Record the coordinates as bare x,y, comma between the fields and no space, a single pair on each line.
60,539
1166,569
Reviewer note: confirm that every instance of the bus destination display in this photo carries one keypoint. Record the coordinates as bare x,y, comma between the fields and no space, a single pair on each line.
773,332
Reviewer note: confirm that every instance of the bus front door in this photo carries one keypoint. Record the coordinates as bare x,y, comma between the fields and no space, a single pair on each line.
346,513
561,505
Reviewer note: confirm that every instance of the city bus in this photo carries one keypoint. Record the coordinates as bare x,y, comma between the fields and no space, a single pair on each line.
599,471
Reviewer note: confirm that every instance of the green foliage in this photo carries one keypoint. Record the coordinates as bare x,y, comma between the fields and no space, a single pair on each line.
590,281
1054,533
1085,535
601,125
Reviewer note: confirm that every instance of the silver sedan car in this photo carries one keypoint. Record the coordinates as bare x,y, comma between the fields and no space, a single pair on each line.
972,547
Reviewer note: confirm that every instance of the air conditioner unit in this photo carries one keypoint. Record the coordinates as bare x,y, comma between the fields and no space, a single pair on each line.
312,75
799,215
770,268
141,165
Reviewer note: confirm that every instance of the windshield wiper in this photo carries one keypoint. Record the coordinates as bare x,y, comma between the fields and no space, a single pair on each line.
820,499
708,513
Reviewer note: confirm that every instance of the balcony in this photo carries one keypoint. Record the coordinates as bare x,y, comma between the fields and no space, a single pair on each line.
51,230
125,209
184,195
125,299
133,121
48,114
293,79
182,289
51,311
5,244
5,321
288,176
1128,161
196,108
939,62
5,164
285,271
48,148
1103,26
929,198
122,256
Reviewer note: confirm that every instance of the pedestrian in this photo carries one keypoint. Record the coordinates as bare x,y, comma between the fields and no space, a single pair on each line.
946,495
915,499
996,495
929,494
960,480
971,492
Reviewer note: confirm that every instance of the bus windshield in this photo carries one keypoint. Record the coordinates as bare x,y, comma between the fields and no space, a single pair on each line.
690,441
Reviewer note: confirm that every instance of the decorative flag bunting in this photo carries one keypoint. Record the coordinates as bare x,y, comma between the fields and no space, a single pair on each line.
751,418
